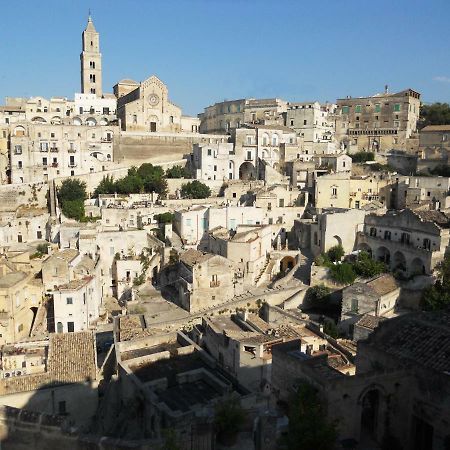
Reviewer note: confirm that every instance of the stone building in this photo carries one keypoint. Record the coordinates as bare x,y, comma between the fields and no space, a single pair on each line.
328,228
342,190
413,192
401,389
434,146
20,297
314,124
63,380
412,242
76,305
200,280
249,248
147,108
42,152
250,148
223,117
166,381
379,123
377,297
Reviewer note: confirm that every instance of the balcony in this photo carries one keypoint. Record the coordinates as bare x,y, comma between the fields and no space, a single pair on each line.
214,283
54,149
72,150
106,139
43,149
17,152
55,164
72,165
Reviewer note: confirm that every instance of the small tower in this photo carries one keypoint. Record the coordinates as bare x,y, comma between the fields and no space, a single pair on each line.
91,61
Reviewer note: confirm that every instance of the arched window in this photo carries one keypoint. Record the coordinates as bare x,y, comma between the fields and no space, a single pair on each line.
274,139
59,327
265,139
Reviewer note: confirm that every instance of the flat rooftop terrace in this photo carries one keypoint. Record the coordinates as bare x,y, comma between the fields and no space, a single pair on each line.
169,368
145,351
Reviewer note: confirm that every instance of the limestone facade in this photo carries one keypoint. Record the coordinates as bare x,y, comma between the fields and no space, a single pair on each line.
379,123
147,108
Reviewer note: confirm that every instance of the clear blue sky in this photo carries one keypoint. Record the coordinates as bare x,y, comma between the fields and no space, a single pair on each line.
210,50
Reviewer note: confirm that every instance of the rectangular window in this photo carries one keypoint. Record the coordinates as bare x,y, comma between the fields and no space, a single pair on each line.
70,327
345,109
209,152
354,305
358,108
188,222
377,107
69,301
249,155
397,107
305,122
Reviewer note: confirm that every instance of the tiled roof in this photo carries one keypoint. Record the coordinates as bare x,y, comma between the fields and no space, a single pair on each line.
438,217
368,321
11,279
422,338
383,284
71,359
436,128
192,257
67,254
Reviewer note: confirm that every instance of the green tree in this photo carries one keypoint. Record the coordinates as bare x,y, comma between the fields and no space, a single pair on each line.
229,417
73,209
177,172
331,329
367,267
195,189
434,114
72,189
131,184
309,428
335,253
362,157
437,297
343,273
71,196
318,296
106,186
166,217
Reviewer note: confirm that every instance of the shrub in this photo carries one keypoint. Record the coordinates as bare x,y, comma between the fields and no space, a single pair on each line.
195,189
177,172
166,217
73,209
367,267
362,157
229,417
318,296
335,253
343,273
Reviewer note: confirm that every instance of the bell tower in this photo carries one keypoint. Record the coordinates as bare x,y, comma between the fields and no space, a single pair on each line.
91,61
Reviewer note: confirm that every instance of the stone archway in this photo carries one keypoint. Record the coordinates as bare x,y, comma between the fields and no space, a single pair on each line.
370,412
383,254
417,267
287,263
399,261
247,171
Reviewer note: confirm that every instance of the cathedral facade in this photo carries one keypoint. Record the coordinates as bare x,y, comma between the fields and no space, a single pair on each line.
145,107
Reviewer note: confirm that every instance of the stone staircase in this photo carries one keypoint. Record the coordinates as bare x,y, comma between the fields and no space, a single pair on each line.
267,269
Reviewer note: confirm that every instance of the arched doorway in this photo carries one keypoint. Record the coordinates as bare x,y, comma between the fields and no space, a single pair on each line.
417,267
383,255
399,261
247,171
338,240
287,263
370,407
59,327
